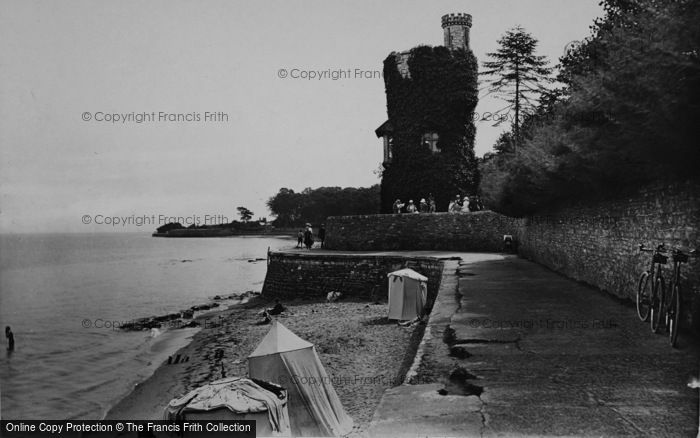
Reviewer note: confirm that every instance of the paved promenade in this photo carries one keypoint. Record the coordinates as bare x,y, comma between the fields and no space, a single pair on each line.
513,349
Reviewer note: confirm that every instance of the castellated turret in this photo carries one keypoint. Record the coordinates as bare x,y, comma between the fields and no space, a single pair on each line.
456,30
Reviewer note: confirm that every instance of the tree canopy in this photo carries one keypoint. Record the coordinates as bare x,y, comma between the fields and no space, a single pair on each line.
627,113
315,205
245,214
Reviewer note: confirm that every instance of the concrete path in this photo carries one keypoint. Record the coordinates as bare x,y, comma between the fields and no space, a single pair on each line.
425,253
513,349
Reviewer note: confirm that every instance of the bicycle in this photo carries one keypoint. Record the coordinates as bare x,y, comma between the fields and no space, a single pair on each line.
672,309
651,288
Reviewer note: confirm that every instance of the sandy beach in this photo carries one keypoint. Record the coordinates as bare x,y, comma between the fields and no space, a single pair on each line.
362,351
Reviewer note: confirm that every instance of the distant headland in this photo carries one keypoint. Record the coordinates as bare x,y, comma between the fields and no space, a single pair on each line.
235,228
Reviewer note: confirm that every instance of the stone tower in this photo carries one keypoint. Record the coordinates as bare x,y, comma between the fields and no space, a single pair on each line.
456,30
428,138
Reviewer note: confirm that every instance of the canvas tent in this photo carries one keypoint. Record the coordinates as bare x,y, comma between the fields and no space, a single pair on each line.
408,293
235,398
313,405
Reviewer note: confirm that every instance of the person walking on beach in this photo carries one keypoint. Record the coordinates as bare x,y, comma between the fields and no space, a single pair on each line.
10,338
322,234
300,239
431,203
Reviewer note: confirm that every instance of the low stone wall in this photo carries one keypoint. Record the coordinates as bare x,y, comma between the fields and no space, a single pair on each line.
596,242
479,231
358,277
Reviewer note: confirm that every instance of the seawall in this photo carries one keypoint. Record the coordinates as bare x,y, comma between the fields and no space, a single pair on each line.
479,232
592,241
292,275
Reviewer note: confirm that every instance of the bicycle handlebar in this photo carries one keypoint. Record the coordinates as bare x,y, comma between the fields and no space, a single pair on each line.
692,253
662,248
659,248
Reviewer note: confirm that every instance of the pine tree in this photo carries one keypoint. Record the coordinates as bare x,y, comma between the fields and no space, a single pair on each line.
517,75
245,214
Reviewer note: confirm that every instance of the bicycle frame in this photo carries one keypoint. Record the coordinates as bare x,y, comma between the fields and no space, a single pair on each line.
653,302
656,262
650,300
672,310
678,258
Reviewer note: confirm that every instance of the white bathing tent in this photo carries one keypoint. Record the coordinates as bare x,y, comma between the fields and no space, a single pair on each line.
313,405
408,292
235,398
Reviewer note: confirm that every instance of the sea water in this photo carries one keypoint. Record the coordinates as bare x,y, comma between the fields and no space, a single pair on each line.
64,296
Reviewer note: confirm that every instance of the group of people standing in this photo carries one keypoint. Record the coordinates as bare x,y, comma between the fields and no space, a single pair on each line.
422,207
305,237
465,205
457,205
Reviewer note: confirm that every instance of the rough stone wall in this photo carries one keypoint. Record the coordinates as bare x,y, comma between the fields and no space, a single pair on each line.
456,37
479,231
358,277
596,242
402,63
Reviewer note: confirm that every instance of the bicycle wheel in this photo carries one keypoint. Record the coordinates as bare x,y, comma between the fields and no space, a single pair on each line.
644,297
657,304
674,314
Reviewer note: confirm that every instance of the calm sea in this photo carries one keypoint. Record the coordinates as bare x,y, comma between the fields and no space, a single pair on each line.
61,292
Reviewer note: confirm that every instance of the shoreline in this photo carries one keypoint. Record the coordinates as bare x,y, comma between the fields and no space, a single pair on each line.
164,372
176,340
216,232
362,351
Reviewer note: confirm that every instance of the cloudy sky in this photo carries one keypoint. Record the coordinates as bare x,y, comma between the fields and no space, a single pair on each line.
66,67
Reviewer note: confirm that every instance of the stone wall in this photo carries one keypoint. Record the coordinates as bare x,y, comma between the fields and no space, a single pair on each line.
596,242
593,241
358,277
479,231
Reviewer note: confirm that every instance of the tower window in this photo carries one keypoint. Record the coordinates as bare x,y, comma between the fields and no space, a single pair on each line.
430,139
388,148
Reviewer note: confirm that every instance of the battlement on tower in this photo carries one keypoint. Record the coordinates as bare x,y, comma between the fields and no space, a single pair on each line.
458,19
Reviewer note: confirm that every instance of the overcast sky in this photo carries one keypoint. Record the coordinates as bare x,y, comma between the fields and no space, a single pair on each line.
66,66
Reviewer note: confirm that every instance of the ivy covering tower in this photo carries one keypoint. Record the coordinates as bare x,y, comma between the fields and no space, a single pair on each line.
428,139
